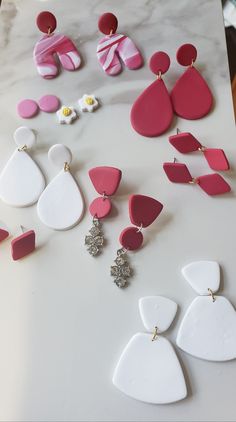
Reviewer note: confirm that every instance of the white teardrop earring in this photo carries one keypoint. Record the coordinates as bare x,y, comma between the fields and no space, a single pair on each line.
21,180
61,204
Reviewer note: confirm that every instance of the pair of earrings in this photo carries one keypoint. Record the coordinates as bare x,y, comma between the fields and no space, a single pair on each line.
110,50
191,98
148,369
29,108
143,211
21,245
212,184
60,205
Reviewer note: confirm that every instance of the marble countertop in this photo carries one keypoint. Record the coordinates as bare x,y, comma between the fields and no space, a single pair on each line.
63,323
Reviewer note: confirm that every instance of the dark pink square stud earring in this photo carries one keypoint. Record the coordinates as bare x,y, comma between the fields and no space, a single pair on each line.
3,234
23,245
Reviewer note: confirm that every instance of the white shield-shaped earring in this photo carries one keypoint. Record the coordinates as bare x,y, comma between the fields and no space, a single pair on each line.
208,329
61,204
148,369
21,180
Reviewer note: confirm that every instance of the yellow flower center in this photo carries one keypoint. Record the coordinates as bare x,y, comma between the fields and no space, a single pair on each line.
89,100
66,111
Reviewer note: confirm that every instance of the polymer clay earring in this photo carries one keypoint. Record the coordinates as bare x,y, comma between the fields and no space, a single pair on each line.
114,47
106,181
3,234
152,112
143,211
208,329
212,184
185,142
149,369
23,245
52,44
21,180
61,205
191,96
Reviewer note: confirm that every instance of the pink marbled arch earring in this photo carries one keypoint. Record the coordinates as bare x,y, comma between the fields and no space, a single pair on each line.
52,44
114,47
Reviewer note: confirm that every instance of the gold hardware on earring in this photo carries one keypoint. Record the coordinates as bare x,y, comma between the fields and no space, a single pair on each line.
202,148
49,30
23,148
211,294
155,334
159,75
66,167
140,228
193,181
111,32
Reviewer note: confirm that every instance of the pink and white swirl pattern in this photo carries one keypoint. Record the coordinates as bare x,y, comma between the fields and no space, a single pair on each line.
45,50
112,48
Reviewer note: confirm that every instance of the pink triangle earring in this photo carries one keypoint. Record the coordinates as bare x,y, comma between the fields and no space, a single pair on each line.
191,96
152,112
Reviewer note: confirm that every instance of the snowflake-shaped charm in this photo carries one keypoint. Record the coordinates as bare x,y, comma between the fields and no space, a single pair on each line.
121,271
94,241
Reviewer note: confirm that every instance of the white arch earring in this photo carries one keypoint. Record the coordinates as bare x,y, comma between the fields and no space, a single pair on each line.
61,204
21,180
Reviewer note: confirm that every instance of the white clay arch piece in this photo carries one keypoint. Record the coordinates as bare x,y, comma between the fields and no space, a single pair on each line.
61,204
21,180
150,371
203,275
157,311
208,329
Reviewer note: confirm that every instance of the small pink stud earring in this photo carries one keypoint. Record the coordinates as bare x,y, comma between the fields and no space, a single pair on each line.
23,245
185,142
213,184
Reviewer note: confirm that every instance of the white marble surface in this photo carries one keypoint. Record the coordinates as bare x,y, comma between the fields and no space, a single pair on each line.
63,323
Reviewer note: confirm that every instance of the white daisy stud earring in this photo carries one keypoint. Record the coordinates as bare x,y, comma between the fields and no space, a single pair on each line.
66,115
88,103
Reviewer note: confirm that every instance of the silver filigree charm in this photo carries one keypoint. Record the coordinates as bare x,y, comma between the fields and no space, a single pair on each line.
95,240
121,271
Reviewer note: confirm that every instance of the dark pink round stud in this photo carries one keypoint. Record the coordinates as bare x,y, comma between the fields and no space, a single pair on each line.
27,109
159,62
100,207
131,239
46,21
186,54
108,23
49,103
